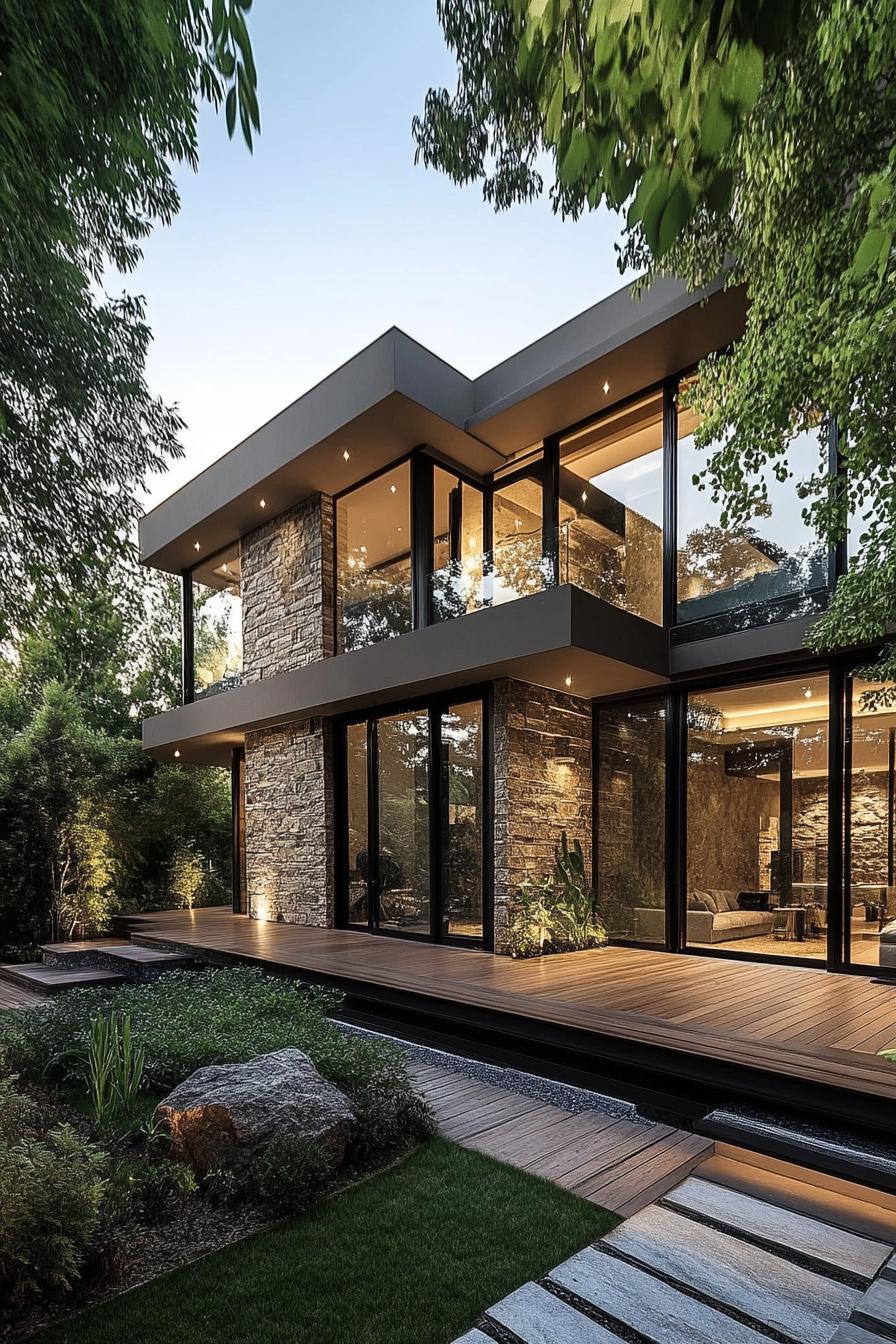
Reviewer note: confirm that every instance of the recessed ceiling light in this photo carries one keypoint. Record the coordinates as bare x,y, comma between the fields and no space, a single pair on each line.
568,681
177,753
346,455
195,545
584,496
606,388
393,488
808,692
262,503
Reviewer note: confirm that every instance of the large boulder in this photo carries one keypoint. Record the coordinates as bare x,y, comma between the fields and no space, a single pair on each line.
227,1111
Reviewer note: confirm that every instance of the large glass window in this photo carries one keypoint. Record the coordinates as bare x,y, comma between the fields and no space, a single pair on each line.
773,557
373,561
870,798
458,515
611,508
757,818
462,819
631,809
519,563
217,624
358,838
403,822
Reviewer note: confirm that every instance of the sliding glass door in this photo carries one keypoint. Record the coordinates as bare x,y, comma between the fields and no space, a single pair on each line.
413,800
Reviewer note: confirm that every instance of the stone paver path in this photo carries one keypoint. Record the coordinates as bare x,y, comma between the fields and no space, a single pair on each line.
736,1253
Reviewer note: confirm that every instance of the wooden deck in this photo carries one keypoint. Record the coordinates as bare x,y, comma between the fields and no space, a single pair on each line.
796,1024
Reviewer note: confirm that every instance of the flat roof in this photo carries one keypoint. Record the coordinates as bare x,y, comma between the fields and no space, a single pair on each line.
395,395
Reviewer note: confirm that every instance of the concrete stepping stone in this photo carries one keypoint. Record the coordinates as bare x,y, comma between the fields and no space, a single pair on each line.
647,1304
854,1334
474,1337
799,1304
829,1247
877,1309
537,1317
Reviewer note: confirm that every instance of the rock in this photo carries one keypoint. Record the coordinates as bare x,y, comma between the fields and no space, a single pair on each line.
226,1111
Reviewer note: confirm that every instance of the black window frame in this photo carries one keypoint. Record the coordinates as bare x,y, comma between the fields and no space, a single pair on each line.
187,630
434,706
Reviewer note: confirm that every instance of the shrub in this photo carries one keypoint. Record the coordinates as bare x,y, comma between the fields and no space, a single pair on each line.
557,912
288,1173
18,1113
51,1192
147,1191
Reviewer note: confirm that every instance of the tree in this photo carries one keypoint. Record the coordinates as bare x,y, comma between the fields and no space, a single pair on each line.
97,102
751,139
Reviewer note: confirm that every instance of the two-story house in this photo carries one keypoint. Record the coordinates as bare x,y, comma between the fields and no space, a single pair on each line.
434,621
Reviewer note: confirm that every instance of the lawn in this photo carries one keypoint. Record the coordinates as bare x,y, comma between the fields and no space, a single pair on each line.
410,1256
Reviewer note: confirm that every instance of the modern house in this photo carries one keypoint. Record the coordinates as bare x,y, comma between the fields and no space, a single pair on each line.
435,621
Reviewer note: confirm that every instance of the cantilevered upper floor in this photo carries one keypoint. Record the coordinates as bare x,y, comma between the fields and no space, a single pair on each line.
402,529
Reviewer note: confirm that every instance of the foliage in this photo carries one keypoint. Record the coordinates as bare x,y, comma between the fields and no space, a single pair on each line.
51,1193
411,1256
285,1175
185,1020
97,102
18,1113
114,1070
556,913
755,141
147,1191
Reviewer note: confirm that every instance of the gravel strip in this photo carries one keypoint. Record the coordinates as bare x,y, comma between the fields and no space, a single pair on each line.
568,1098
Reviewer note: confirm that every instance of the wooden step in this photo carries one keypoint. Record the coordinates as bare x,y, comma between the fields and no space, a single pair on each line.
44,979
133,955
77,949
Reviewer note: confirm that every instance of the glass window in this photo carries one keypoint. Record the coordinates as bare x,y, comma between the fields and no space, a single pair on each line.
403,816
462,820
358,841
373,561
757,818
870,797
519,565
217,624
456,585
611,508
774,556
631,820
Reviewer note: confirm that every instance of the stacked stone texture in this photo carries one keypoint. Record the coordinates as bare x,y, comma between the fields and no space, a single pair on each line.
287,599
536,796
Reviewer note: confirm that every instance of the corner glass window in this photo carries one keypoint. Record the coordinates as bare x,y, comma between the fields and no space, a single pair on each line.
870,797
519,564
611,508
757,818
217,624
457,580
373,561
774,556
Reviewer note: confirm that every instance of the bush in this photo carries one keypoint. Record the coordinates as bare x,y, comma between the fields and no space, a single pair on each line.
285,1175
18,1113
149,1191
51,1193
186,1020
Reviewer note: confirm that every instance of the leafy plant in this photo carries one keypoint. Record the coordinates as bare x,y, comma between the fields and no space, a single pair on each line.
556,912
147,1191
114,1069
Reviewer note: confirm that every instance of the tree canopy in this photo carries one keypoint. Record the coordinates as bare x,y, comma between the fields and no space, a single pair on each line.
98,101
755,140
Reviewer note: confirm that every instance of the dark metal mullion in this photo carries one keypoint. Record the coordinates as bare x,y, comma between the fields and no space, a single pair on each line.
676,821
437,837
421,538
891,800
670,503
785,825
550,521
236,849
187,652
373,827
839,950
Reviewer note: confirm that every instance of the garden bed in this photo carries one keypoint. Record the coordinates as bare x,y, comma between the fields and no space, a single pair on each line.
93,1199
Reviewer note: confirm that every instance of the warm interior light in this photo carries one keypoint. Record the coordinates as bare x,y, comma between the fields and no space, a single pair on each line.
584,496
346,455
195,545
262,503
808,692
393,488
568,681
177,753
606,388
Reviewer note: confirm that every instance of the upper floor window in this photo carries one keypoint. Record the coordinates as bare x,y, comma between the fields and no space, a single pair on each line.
520,562
458,521
611,508
373,560
773,557
217,624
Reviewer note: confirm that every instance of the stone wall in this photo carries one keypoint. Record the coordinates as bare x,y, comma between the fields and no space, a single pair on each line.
868,827
287,590
536,797
725,815
290,833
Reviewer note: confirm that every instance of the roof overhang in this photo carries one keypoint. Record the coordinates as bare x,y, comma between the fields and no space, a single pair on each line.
544,639
396,394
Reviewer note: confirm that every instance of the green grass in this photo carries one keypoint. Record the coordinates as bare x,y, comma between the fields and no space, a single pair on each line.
411,1256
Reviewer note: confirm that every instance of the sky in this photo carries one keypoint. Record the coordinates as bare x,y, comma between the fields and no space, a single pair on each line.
285,262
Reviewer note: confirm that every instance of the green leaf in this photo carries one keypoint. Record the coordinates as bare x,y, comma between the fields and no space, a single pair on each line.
742,76
717,125
230,111
876,242
575,159
675,216
554,119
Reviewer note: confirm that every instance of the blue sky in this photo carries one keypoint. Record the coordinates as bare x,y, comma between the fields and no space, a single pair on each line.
285,262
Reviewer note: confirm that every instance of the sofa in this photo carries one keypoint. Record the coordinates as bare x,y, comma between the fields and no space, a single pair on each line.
713,917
